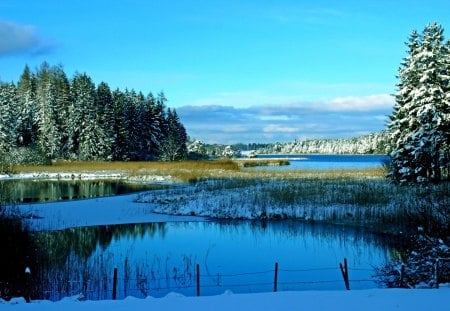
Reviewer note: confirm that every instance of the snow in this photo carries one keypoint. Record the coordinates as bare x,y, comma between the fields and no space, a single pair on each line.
373,299
93,212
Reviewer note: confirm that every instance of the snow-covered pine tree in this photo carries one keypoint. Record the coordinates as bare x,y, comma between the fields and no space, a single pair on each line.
106,119
8,120
420,120
61,107
151,134
85,125
49,136
174,146
26,101
120,145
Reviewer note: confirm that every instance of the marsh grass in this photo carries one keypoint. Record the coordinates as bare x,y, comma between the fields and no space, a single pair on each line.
359,196
262,162
188,171
193,171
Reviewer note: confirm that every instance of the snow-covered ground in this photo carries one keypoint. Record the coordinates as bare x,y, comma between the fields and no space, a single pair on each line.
93,212
368,300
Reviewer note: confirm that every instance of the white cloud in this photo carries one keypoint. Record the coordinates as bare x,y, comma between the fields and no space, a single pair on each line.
361,103
277,128
339,117
16,39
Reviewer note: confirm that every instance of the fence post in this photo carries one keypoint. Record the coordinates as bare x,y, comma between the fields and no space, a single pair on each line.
436,273
27,284
275,281
402,276
198,280
114,293
344,271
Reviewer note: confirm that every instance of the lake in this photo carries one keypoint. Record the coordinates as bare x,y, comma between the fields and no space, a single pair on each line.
326,162
158,258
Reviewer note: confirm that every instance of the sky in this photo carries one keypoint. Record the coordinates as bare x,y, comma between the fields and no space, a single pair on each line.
236,70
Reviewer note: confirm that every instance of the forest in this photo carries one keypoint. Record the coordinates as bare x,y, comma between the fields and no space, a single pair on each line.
47,116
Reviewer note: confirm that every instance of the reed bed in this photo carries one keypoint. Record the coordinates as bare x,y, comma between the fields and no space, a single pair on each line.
193,171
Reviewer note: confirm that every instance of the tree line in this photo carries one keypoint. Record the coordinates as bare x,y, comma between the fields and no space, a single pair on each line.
375,143
47,114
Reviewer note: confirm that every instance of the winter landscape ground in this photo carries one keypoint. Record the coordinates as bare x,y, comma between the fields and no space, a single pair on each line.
378,299
212,197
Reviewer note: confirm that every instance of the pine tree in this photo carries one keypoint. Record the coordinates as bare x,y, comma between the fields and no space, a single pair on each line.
174,145
27,106
420,121
106,120
49,136
120,127
8,118
87,136
151,134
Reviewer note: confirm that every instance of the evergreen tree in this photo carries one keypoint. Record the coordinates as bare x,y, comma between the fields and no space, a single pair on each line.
27,106
49,135
421,119
174,146
8,118
106,120
120,127
151,131
87,137
61,107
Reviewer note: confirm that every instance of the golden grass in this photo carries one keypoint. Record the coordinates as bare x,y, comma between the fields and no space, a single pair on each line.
262,162
190,171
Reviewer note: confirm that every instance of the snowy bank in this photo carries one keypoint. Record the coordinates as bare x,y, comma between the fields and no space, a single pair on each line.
374,299
97,175
92,212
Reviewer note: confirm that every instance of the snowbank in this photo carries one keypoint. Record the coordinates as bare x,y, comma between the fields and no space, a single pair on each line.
374,299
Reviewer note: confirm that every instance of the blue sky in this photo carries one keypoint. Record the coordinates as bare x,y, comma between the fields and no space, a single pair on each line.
236,71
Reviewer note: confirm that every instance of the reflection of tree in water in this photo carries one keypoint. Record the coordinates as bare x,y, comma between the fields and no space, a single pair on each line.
82,260
64,265
45,191
82,242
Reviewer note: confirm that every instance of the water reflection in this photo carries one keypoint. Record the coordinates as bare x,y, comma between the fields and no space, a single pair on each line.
46,191
155,259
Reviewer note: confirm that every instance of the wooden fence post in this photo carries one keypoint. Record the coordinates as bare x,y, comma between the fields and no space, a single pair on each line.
114,293
27,284
436,273
198,280
344,271
402,276
275,281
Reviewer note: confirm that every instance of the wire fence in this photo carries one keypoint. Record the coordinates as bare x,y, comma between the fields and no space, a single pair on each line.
202,282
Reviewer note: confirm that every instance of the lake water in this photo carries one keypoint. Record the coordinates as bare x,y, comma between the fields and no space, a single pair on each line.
156,259
325,162
28,191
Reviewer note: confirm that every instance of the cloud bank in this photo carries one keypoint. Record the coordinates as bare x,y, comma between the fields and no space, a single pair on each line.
19,39
336,118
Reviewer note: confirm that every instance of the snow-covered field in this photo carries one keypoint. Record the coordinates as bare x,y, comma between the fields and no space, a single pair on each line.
374,299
